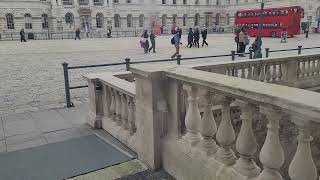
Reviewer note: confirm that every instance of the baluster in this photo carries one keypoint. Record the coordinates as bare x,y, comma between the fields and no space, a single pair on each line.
225,134
192,118
302,165
118,108
262,73
274,73
313,67
246,143
112,105
243,72
256,73
131,116
124,112
228,72
106,101
303,68
249,72
280,72
236,72
318,67
308,70
208,127
271,154
268,73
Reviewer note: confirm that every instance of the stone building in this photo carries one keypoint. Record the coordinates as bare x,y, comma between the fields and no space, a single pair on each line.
129,15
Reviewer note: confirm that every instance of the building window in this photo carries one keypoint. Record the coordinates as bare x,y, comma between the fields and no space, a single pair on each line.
129,20
207,2
184,20
207,21
228,19
116,1
174,19
196,19
10,23
83,2
141,20
97,2
128,1
163,1
174,1
218,2
67,2
69,18
117,20
45,21
217,19
99,20
196,2
184,1
164,20
28,21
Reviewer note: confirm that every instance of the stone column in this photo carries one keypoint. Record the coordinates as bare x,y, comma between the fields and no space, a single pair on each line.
94,118
290,72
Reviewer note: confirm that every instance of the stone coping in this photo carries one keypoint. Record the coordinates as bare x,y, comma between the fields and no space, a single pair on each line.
299,101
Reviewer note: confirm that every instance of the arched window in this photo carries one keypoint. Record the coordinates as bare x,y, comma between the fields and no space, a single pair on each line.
99,20
28,21
196,19
117,20
217,18
10,23
45,21
164,20
207,20
184,20
69,18
174,19
129,20
141,20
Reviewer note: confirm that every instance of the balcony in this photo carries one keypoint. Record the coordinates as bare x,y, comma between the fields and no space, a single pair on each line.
83,2
98,2
67,2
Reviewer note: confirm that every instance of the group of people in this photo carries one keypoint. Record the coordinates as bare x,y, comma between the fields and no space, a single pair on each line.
144,41
194,37
242,40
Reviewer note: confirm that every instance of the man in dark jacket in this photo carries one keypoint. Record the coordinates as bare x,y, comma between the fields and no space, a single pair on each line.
22,35
77,34
204,37
196,36
153,42
190,38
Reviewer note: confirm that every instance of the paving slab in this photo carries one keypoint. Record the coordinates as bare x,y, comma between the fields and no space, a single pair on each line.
66,134
3,147
52,120
25,143
76,115
17,127
2,136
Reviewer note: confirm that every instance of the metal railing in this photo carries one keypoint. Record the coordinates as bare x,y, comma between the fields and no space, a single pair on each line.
178,60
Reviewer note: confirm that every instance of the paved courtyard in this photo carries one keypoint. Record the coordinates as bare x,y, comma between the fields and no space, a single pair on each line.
32,78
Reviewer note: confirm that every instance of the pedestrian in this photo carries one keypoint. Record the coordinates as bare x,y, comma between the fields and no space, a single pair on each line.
204,34
190,38
196,37
256,47
236,40
109,33
22,35
144,41
176,42
77,34
153,42
161,29
180,34
243,41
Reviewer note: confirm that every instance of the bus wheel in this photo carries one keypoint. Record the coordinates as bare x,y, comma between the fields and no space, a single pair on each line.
273,34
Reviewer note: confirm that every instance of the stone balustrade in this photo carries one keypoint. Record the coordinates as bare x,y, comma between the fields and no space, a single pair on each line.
205,150
299,71
112,105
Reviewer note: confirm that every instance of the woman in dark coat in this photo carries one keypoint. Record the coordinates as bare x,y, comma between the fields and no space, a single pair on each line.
145,36
190,38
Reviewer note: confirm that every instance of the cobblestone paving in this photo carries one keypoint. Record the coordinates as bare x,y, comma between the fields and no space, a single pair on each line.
31,76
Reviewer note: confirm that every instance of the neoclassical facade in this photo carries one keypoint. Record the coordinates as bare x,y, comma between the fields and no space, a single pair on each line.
129,15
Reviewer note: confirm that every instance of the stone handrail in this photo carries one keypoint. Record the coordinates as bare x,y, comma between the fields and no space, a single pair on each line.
112,104
297,71
274,101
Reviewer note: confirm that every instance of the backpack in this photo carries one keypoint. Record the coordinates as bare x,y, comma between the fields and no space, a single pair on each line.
172,40
246,40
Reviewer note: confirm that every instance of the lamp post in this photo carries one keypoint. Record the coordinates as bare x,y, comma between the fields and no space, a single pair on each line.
257,53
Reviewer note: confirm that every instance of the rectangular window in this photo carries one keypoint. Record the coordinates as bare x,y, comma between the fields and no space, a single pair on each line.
174,2
98,2
116,1
163,1
184,1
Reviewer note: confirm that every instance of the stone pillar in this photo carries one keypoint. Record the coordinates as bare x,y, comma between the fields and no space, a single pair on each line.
150,102
94,118
290,72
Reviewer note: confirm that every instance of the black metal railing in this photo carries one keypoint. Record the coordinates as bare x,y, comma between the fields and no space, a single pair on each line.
178,60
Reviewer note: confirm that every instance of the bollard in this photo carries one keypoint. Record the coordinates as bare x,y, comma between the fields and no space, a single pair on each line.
233,55
179,59
267,52
299,49
127,64
66,84
251,53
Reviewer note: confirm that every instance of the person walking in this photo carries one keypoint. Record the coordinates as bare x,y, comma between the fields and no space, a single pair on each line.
196,36
145,42
236,40
109,33
22,35
256,47
77,34
180,34
176,42
204,34
153,42
190,38
242,46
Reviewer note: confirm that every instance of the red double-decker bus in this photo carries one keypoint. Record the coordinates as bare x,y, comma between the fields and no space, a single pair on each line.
274,21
